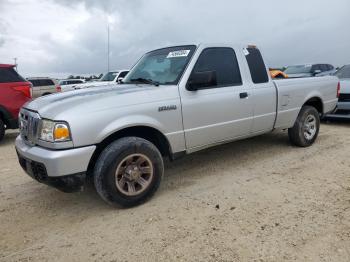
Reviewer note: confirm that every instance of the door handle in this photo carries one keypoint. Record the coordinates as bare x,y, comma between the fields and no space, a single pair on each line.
243,95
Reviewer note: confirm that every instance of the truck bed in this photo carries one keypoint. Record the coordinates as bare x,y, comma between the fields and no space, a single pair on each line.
293,93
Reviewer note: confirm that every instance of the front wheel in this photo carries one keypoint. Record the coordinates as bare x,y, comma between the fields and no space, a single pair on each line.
306,127
2,129
128,172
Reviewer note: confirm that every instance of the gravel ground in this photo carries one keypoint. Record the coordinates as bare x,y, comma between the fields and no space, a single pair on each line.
255,200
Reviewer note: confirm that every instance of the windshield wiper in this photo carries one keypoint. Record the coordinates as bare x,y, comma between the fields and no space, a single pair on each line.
145,81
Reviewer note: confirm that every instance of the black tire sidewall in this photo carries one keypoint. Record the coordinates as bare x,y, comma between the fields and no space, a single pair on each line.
104,173
2,129
306,111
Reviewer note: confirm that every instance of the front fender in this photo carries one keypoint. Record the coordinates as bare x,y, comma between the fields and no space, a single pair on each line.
129,121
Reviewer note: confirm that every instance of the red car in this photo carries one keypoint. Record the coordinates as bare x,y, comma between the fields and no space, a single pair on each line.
15,91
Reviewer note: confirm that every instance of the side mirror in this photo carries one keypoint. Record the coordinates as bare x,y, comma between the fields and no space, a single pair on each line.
316,72
120,80
201,80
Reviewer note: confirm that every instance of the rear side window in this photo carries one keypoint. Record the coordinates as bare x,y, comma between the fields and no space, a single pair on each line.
9,75
42,82
330,67
256,66
224,62
324,68
48,82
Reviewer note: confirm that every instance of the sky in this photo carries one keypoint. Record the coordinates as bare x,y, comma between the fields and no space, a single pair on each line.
62,37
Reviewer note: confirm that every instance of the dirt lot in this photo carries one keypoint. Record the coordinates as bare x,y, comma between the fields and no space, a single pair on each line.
255,200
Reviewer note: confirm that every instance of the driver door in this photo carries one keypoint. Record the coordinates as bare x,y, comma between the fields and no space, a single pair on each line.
222,111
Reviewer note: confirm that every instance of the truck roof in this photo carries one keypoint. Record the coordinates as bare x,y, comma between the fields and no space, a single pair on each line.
209,44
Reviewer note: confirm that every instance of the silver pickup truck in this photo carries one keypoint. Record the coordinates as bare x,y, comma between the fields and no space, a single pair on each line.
174,101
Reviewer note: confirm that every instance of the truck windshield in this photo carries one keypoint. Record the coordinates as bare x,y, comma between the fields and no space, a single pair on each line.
343,72
161,67
110,76
299,69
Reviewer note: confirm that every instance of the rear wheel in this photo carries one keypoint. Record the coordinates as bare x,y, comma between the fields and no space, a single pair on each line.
128,172
306,127
2,129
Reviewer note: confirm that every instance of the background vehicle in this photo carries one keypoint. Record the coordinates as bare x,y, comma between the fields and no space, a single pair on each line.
43,86
175,101
14,92
309,70
107,79
114,76
343,106
70,84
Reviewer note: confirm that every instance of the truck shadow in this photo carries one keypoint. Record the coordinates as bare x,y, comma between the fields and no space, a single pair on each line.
337,122
213,161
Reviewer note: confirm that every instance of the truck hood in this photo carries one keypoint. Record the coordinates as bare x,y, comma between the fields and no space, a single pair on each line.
94,84
83,101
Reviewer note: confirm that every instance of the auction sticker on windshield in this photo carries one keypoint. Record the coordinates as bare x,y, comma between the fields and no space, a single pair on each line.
180,53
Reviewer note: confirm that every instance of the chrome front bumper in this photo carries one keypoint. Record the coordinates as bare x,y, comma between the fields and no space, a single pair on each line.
58,163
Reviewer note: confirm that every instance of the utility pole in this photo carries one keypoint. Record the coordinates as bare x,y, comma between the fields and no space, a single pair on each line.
15,63
108,53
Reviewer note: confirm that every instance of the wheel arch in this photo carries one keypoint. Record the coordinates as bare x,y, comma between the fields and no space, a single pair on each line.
315,102
148,133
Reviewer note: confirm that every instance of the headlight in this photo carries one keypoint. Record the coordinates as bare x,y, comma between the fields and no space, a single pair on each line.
52,131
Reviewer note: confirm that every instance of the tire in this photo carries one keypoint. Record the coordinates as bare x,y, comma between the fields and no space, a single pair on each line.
120,167
306,127
2,129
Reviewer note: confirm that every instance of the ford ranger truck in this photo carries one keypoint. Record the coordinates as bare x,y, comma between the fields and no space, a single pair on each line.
175,101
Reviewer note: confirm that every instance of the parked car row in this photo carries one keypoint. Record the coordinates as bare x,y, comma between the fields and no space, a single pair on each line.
306,70
309,70
34,87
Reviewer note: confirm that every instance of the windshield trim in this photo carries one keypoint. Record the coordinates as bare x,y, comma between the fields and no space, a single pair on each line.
195,48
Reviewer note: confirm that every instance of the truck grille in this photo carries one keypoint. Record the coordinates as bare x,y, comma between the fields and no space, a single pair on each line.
344,98
28,124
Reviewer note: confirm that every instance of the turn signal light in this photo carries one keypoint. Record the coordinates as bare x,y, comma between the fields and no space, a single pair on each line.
61,132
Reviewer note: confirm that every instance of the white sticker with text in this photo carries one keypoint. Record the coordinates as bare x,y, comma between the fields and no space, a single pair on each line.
180,53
